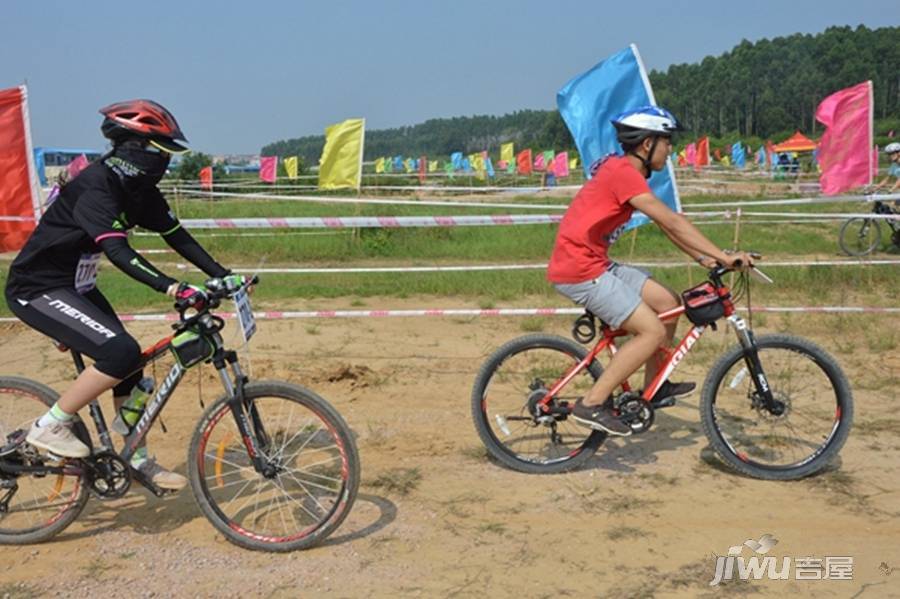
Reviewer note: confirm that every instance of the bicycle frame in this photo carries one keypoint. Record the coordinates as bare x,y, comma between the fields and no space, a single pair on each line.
222,359
673,356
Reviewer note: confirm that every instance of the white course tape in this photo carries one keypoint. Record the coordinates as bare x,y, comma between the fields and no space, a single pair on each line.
340,222
476,312
538,266
334,200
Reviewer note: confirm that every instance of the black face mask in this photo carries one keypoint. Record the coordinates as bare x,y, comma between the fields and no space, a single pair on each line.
137,167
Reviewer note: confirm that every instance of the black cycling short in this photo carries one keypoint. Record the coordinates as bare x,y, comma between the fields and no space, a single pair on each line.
87,324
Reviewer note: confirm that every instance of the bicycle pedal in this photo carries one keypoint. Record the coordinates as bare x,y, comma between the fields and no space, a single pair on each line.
14,440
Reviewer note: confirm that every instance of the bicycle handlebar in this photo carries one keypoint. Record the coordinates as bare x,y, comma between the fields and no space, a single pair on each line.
216,291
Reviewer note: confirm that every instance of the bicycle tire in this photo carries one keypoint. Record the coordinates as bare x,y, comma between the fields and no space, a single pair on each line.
70,507
820,359
850,236
335,429
479,405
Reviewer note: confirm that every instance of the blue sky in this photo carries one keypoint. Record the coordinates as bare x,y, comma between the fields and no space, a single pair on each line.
238,75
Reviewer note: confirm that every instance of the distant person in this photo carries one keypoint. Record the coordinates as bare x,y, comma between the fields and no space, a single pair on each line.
52,283
624,296
893,152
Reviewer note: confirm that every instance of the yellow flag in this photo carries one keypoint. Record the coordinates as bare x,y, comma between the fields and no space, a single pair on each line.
507,153
341,161
432,166
290,166
573,164
379,165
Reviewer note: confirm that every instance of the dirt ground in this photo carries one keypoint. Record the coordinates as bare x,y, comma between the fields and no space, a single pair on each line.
646,518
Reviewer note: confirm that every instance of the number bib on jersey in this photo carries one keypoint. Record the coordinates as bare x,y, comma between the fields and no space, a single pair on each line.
86,272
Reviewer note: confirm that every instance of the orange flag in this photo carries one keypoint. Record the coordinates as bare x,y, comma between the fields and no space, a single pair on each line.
206,178
523,162
702,152
19,193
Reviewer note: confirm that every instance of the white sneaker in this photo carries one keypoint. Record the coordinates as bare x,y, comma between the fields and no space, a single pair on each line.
159,476
58,439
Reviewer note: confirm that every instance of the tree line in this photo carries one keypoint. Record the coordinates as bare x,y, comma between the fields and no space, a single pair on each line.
763,89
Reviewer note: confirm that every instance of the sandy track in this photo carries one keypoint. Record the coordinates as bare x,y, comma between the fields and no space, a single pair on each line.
644,519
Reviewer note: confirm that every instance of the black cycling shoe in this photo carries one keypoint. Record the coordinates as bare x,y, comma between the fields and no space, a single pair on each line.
666,394
600,418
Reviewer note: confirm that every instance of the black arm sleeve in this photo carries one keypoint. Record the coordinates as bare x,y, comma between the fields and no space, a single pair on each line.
133,264
182,242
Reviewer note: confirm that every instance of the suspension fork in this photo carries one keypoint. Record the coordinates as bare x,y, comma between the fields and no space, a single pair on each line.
751,359
253,436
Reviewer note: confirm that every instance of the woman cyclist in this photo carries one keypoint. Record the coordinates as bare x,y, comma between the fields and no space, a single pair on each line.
52,282
624,296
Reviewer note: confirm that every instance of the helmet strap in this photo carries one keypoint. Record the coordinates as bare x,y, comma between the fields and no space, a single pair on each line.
646,161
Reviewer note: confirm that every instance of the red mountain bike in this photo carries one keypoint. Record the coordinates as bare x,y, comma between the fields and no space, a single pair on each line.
281,474
775,407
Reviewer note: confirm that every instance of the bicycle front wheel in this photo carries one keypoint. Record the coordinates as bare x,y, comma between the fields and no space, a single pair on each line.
860,236
511,382
37,506
814,416
314,472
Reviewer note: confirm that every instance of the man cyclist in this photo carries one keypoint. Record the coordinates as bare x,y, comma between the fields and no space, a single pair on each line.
624,296
893,152
52,282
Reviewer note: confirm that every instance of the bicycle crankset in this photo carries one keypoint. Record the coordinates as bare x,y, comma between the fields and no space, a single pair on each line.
634,411
109,477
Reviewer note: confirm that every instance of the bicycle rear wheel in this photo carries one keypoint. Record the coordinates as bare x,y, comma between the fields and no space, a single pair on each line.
506,390
810,430
860,236
37,507
315,470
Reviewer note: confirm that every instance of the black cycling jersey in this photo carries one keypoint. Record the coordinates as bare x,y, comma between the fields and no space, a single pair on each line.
92,215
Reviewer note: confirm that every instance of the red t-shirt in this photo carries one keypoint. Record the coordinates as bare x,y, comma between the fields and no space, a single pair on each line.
594,221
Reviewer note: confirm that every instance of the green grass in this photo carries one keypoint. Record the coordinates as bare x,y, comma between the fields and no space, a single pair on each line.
474,245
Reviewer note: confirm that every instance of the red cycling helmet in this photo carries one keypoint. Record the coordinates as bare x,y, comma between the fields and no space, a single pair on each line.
143,118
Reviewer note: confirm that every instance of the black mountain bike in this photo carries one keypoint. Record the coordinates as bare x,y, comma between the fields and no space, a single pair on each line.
280,474
860,236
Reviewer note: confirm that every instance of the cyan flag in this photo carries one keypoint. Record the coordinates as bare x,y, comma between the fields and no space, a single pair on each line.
466,165
398,163
738,158
587,104
489,167
761,155
457,159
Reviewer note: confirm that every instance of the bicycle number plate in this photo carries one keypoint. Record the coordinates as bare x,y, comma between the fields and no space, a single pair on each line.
245,314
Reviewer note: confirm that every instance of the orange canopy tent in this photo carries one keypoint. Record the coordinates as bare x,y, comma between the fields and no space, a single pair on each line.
796,143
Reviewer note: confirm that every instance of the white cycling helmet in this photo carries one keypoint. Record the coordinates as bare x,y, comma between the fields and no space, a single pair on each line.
892,148
636,125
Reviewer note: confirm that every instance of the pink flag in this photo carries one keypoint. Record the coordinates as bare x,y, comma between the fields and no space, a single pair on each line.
690,153
502,165
844,149
539,162
560,165
76,166
267,168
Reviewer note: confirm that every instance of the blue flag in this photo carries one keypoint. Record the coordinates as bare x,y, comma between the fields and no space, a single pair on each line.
587,104
738,158
489,167
457,159
398,163
466,165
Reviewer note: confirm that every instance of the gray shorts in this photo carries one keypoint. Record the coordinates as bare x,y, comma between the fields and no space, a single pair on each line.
613,296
